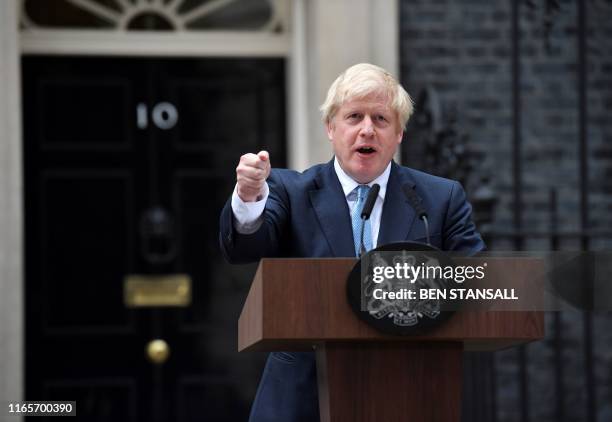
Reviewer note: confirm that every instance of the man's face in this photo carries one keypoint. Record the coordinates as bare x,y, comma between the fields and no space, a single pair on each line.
365,133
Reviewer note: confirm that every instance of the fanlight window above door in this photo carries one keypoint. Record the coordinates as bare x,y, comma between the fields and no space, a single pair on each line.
156,15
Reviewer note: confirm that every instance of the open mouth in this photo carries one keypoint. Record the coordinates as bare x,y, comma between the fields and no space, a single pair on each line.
366,150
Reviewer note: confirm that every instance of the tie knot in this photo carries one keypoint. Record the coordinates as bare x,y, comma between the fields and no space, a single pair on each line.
362,191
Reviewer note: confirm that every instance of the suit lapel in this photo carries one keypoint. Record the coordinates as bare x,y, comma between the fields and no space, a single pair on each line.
397,215
332,211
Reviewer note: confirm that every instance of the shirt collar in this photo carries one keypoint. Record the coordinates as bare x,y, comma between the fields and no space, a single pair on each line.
349,185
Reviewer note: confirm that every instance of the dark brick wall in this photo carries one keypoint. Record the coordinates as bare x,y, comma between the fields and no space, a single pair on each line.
600,111
463,49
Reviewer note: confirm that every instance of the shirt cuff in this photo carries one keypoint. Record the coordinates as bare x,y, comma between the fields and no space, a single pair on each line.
248,216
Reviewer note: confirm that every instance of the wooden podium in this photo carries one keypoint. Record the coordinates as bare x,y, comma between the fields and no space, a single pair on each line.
363,375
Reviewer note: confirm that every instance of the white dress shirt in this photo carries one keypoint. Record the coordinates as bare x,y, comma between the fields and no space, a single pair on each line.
248,216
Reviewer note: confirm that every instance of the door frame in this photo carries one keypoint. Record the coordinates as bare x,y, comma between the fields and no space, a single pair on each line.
11,209
323,38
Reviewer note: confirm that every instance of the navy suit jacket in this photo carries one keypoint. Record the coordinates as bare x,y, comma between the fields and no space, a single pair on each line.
307,215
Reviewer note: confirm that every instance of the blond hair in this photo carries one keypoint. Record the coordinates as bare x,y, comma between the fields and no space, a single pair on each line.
361,80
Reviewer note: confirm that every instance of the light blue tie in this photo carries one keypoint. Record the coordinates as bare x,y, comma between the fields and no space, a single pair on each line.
362,194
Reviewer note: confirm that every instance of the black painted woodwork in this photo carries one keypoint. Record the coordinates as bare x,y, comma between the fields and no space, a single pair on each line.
90,175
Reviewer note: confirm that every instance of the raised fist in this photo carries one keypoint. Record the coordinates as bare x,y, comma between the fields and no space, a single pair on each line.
251,175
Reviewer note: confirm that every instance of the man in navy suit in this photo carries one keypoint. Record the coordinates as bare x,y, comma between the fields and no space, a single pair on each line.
278,212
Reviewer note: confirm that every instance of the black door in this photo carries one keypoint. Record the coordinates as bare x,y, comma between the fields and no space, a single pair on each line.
127,165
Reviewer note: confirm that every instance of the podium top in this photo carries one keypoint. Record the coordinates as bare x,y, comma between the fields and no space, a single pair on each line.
297,303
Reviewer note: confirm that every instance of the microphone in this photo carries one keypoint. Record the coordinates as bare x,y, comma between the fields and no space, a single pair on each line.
366,211
370,200
416,203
